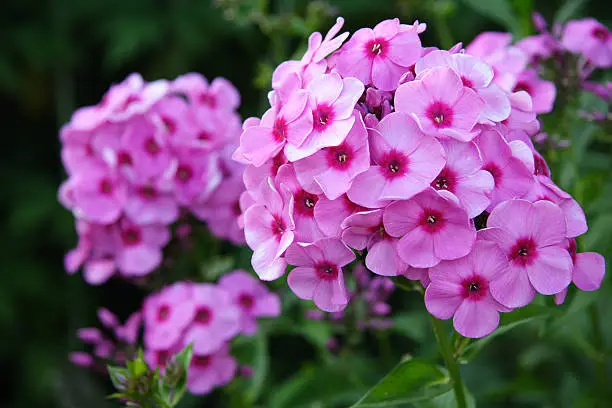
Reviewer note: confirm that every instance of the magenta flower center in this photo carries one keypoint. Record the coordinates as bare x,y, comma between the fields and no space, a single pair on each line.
339,157
276,163
162,357
467,82
440,114
522,86
203,315
394,164
279,130
106,187
377,47
572,249
208,100
601,33
540,166
131,236
278,227
151,146
184,173
446,180
169,124
163,312
524,252
323,116
474,287
147,192
432,220
204,136
124,158
305,202
201,361
326,271
495,172
246,301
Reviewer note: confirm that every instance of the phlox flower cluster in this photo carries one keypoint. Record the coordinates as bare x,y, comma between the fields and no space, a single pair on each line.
146,156
207,316
421,161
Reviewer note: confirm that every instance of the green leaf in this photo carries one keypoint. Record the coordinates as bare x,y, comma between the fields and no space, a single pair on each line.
569,9
498,10
183,358
261,365
509,321
410,381
446,400
118,376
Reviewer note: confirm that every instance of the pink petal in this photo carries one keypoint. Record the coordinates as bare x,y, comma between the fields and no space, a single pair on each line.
382,259
326,88
476,319
513,288
454,240
401,217
488,259
416,248
552,270
367,188
139,260
589,270
442,298
467,109
98,272
474,192
297,255
443,84
405,48
335,251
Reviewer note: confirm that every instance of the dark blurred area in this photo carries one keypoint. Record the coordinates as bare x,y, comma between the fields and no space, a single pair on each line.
57,55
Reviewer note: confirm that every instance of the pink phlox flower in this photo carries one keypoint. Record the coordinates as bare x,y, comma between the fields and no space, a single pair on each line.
306,228
532,235
463,176
255,177
538,47
495,49
405,161
331,103
128,332
195,175
167,314
441,104
139,247
211,370
95,252
222,209
512,179
330,214
216,319
330,171
365,230
522,115
245,201
590,38
461,289
219,95
318,274
251,297
474,74
269,230
150,203
431,228
542,92
379,56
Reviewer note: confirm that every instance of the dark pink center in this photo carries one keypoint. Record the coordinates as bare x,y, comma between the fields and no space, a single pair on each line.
124,159
162,357
201,361
339,157
131,236
147,192
204,135
440,114
208,100
278,227
279,130
184,173
323,116
305,202
326,271
278,161
467,82
572,249
106,187
151,146
377,47
432,220
169,124
540,166
601,33
446,180
246,301
203,315
474,287
163,312
524,252
495,172
394,164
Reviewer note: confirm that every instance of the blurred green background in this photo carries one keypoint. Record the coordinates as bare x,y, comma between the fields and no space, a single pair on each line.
56,55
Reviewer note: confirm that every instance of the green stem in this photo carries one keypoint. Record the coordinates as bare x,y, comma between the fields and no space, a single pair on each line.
447,354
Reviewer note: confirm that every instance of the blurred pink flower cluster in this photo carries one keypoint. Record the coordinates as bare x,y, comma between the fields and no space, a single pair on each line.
145,156
401,153
207,316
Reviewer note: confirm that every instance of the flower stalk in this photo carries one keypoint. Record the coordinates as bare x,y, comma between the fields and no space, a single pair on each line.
451,363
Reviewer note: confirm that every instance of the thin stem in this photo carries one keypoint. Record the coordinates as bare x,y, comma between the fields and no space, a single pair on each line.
447,354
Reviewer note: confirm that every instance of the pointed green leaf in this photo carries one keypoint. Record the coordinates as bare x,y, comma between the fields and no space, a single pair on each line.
410,381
